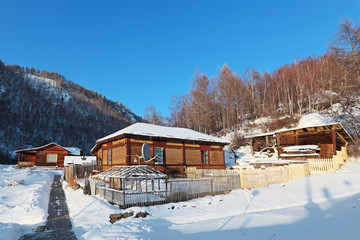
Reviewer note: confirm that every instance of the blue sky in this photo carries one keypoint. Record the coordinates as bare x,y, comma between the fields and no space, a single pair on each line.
143,52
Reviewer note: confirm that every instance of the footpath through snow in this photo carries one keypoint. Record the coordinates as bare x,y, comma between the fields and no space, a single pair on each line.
317,207
24,199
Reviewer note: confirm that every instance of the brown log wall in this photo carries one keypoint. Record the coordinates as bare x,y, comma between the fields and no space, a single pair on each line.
173,152
119,155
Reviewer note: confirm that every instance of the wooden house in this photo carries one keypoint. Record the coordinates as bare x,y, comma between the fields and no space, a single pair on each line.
50,154
261,141
322,141
174,148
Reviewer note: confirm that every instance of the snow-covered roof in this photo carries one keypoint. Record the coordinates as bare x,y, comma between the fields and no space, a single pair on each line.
151,130
136,171
261,135
71,150
80,160
309,126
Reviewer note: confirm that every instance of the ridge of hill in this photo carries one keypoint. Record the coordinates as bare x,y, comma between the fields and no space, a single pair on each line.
38,107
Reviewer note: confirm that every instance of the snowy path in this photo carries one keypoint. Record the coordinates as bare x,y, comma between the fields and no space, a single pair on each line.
58,224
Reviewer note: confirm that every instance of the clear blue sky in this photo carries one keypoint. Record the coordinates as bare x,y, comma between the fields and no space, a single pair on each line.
143,52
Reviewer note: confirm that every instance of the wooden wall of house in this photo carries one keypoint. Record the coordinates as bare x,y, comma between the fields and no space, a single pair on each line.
41,156
176,154
326,150
324,140
30,158
309,138
259,143
217,156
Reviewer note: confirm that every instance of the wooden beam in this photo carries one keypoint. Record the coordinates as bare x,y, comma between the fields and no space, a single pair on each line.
252,146
334,141
341,137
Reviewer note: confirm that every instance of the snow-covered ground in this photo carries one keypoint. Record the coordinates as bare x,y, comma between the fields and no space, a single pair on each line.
24,197
321,206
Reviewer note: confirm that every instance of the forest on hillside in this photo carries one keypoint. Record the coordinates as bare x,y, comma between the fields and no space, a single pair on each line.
329,83
38,107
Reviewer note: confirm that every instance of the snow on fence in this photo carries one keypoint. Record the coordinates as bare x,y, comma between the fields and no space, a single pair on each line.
193,172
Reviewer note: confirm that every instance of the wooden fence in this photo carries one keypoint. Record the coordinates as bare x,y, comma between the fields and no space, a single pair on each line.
203,182
263,177
326,165
78,171
329,165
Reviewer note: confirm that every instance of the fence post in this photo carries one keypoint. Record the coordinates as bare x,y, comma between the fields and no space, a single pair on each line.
123,186
166,188
212,185
241,179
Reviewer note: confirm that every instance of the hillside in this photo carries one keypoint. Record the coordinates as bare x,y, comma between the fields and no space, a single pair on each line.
40,107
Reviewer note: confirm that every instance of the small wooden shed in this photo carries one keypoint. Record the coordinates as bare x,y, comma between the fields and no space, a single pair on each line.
329,138
174,148
51,154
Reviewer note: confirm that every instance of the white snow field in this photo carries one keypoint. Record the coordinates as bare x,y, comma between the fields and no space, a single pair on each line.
321,206
24,198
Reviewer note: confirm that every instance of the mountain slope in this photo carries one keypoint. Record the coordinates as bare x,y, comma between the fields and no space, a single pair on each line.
40,107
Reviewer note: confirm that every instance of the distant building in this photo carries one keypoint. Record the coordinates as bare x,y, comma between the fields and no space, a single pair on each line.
174,148
50,154
318,141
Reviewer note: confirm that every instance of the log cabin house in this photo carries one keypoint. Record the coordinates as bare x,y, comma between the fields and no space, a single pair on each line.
321,141
175,148
50,154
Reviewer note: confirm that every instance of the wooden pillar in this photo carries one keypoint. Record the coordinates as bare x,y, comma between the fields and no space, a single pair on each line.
296,138
267,140
334,142
252,146
278,146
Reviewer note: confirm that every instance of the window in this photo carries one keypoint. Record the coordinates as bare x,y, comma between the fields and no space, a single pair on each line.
204,157
51,158
159,153
109,156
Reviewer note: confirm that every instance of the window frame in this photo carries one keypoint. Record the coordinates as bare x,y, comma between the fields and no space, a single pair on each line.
162,145
50,156
109,156
162,155
205,149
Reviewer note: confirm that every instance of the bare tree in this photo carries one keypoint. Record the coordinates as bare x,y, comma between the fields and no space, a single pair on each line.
153,116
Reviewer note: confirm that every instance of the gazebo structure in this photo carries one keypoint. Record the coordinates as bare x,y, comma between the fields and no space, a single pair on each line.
132,185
